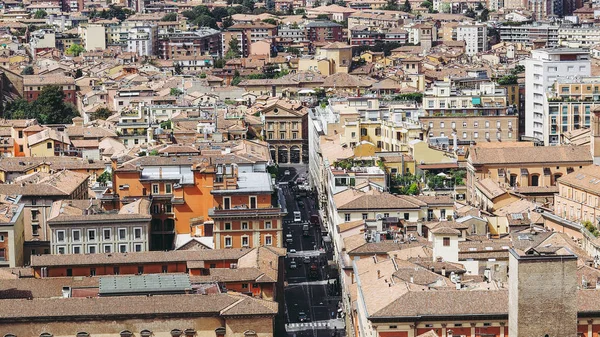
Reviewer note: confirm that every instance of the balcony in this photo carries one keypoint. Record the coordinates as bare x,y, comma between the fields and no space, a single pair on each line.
244,212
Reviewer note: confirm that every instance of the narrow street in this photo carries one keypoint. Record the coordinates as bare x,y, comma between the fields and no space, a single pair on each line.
311,304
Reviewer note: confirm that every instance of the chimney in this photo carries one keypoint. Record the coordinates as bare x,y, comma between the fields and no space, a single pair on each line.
378,273
444,271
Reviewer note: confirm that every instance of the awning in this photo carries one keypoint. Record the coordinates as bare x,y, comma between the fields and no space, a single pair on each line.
524,172
306,91
476,100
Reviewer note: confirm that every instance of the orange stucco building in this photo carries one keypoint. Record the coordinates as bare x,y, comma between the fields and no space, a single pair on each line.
226,197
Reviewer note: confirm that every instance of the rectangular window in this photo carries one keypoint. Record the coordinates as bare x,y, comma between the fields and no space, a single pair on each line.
347,217
244,225
107,234
244,285
116,270
61,250
228,241
122,248
365,216
155,189
252,202
49,145
227,226
140,270
20,134
138,247
245,241
406,216
76,235
92,249
76,249
137,233
268,225
60,236
168,188
107,248
91,235
122,234
446,242
226,203
92,271
268,240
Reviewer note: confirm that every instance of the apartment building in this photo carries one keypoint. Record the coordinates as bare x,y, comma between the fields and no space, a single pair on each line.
94,37
142,40
34,84
247,213
541,71
374,20
475,37
82,227
286,131
324,32
578,197
571,102
471,115
12,229
523,166
202,42
246,34
580,36
526,34
37,193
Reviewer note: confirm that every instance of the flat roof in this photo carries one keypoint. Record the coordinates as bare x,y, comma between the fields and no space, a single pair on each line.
144,284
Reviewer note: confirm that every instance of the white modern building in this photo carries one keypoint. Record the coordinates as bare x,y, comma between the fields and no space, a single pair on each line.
94,37
475,37
541,71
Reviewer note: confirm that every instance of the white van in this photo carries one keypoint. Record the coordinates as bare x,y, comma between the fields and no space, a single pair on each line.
297,216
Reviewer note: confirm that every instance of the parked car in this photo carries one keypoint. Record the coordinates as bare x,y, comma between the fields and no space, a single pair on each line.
297,216
306,259
303,317
286,173
301,204
293,265
293,251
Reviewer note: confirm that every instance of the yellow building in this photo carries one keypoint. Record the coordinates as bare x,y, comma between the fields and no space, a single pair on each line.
339,54
522,165
47,143
570,105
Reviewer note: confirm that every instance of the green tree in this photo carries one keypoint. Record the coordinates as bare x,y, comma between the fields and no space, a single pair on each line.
519,68
219,13
105,177
175,92
153,153
48,108
300,11
479,6
470,13
508,79
74,50
205,21
406,8
233,51
78,73
293,51
101,113
270,21
27,71
445,7
323,17
51,108
177,68
227,22
220,63
316,3
391,5
40,14
169,17
484,15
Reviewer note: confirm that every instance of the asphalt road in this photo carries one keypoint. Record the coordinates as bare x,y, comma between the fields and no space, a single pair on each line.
307,292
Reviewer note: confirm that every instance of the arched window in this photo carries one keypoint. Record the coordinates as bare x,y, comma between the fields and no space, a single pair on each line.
535,180
250,333
10,335
126,333
190,332
176,332
82,334
45,334
145,333
220,332
169,225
